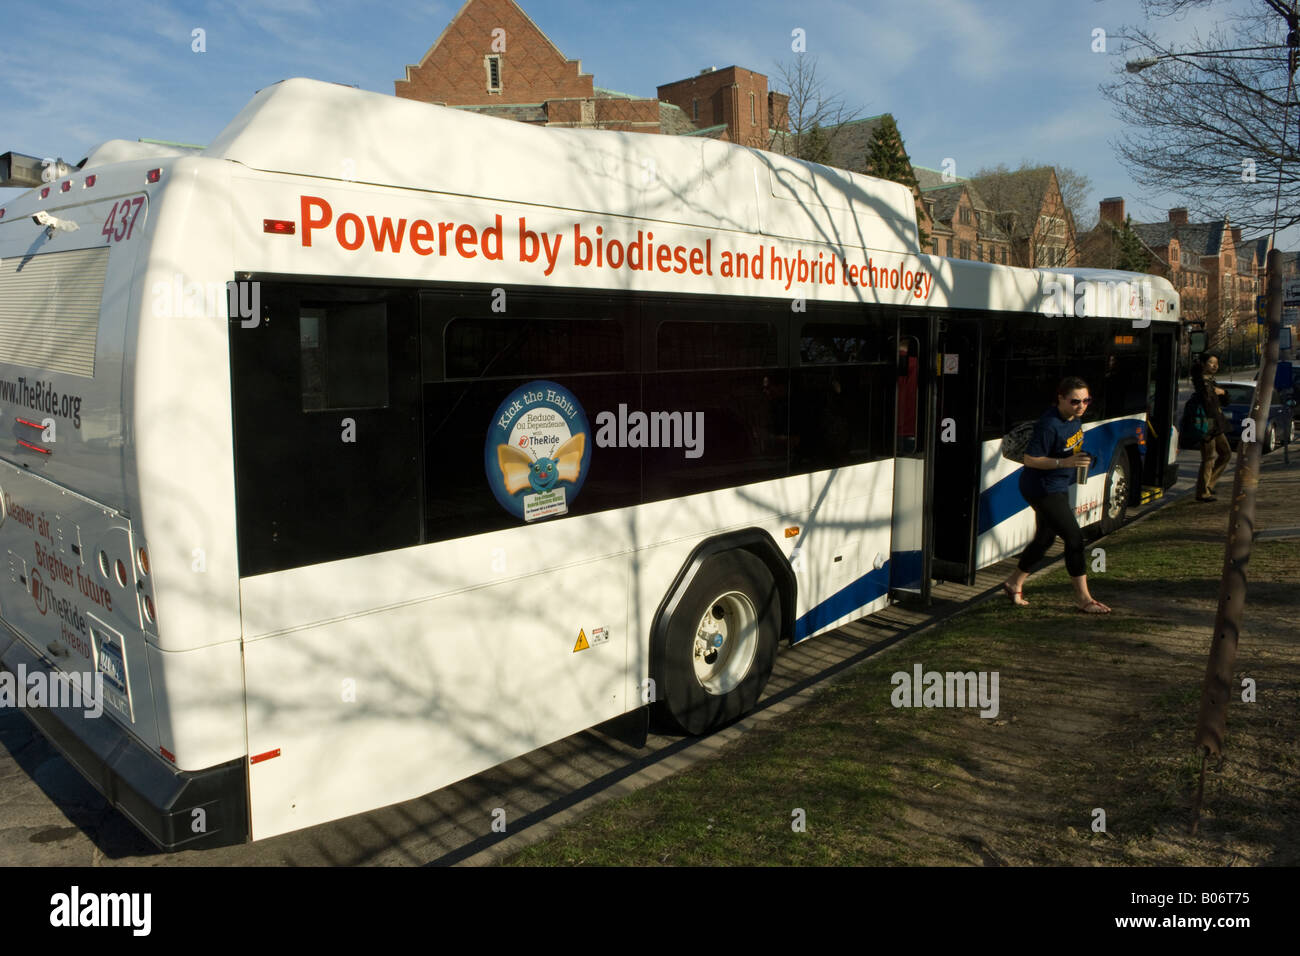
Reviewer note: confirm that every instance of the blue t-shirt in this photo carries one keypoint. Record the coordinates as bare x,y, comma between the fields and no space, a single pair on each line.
1053,437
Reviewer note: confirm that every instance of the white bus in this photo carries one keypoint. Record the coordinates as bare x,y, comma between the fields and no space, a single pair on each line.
501,433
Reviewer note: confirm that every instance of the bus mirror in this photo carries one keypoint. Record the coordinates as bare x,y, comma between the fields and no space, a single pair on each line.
1197,343
20,171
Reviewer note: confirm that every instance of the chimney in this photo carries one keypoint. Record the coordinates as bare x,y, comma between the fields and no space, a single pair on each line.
1112,210
1178,215
1236,235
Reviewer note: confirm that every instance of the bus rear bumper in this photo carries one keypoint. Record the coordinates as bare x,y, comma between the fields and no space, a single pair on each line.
176,809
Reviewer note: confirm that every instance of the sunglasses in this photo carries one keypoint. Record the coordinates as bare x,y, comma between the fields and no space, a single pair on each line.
1081,401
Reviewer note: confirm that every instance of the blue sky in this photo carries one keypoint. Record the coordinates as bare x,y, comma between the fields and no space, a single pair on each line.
980,81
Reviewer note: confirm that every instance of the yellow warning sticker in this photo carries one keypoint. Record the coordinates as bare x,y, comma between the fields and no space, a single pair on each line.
582,644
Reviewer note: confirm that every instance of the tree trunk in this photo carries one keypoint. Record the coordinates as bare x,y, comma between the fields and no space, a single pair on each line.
1212,723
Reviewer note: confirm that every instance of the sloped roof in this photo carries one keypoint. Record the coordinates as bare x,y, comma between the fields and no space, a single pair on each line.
849,142
946,199
713,132
1200,238
928,178
672,121
1254,251
463,12
1019,192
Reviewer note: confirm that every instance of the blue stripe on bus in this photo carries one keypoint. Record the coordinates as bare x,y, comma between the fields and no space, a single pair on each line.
874,584
998,503
905,569
1003,500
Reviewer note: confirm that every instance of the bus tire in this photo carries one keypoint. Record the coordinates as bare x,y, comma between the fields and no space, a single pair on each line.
721,644
1118,479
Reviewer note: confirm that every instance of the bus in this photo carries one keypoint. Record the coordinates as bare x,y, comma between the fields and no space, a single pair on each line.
377,443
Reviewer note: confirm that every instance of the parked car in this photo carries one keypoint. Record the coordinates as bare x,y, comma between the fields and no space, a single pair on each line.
1239,401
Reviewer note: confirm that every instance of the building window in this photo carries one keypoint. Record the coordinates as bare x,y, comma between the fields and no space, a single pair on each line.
753,111
979,251
493,64
965,249
695,110
964,217
1004,255
948,242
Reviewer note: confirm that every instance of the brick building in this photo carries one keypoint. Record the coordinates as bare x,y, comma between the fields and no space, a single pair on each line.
493,59
963,225
731,104
1028,207
1217,273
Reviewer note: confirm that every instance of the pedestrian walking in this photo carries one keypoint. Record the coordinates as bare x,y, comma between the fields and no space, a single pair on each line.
1054,451
1215,451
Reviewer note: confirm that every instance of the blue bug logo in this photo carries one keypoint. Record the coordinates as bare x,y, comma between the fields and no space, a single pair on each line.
536,454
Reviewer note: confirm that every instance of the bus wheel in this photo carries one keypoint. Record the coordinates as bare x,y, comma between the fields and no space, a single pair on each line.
721,643
1116,505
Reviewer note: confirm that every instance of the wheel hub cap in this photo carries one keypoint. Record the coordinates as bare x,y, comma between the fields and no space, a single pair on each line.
725,642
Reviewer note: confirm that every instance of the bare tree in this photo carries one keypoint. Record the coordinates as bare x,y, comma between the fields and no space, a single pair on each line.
1206,120
1042,225
812,106
1076,190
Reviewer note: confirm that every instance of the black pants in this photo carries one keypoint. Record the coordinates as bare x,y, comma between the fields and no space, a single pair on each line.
1052,516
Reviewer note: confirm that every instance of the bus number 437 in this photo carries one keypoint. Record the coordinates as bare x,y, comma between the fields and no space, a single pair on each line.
121,219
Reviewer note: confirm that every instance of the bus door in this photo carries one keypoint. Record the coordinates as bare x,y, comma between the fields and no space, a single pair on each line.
327,430
1158,470
955,457
909,559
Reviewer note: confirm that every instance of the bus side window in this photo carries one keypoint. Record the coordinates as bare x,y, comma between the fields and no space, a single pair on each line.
343,352
474,359
909,380
720,366
844,392
326,430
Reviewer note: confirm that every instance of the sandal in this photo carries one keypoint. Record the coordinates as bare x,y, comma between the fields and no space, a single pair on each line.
1017,597
1088,608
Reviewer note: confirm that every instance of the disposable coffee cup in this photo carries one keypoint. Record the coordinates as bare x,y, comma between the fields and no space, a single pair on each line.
1081,475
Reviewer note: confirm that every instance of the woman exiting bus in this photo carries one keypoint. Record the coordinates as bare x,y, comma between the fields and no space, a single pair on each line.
1053,452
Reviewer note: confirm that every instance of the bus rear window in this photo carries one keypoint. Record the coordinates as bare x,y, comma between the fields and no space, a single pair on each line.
49,310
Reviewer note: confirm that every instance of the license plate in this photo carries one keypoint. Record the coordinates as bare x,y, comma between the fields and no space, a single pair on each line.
110,663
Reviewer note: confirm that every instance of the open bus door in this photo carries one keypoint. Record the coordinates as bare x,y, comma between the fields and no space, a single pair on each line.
955,459
1159,468
909,560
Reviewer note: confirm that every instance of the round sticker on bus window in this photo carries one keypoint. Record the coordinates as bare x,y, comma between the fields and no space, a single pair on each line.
538,451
